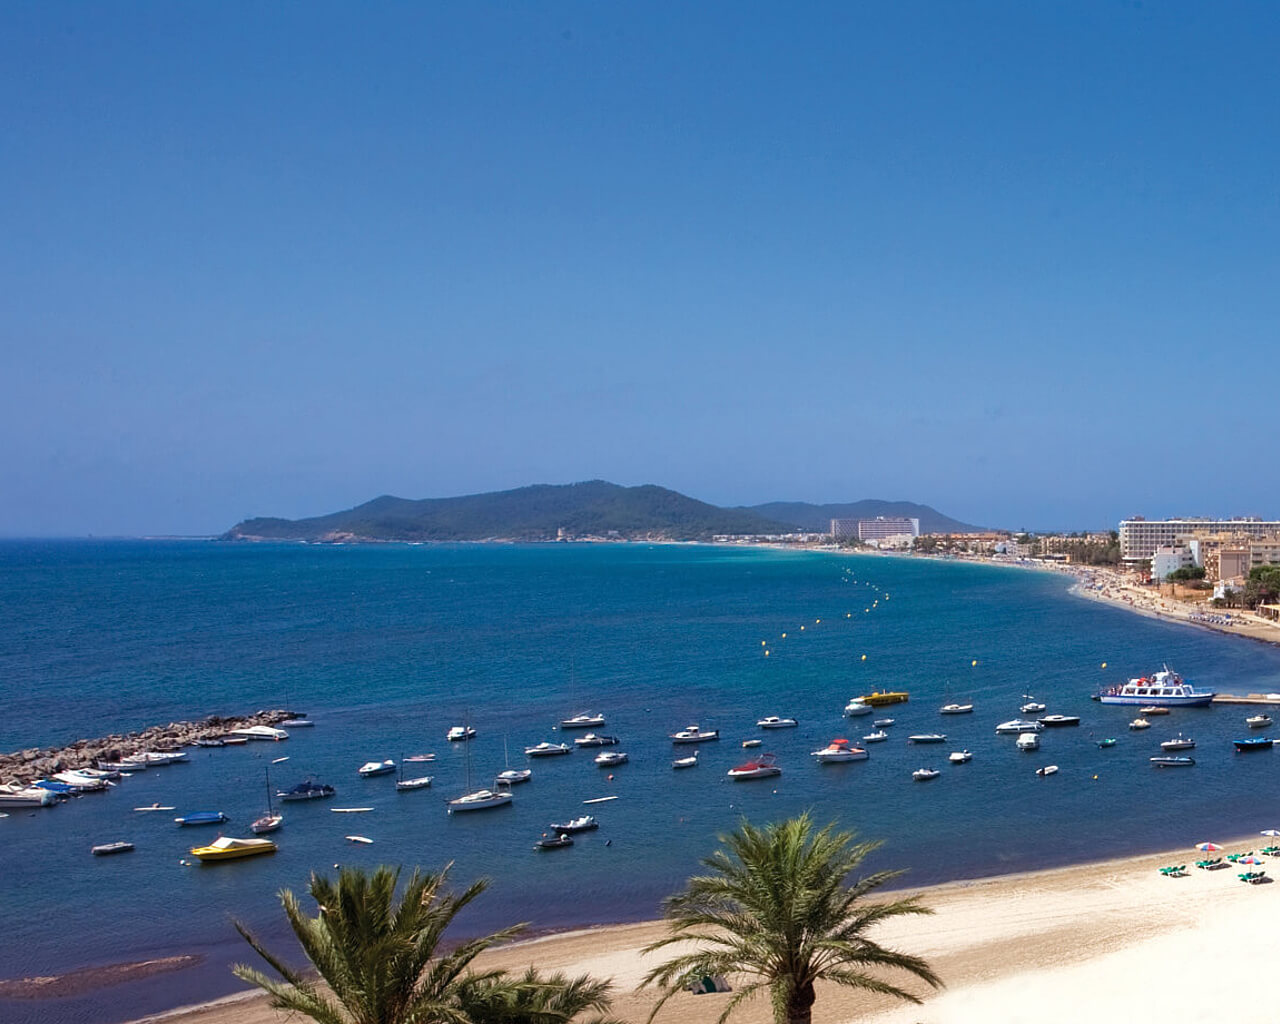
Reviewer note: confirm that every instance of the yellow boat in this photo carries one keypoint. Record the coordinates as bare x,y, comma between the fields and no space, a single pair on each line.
228,848
877,699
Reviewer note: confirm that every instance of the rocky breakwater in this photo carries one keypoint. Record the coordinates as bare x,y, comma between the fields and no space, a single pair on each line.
24,766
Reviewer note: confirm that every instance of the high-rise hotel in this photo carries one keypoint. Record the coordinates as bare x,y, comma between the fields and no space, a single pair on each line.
1139,538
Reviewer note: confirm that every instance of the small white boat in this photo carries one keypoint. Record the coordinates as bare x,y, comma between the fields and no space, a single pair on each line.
350,810
1258,721
686,762
591,739
514,775
927,737
260,732
358,839
154,807
406,785
1031,707
279,760
267,823
371,768
584,721
458,733
107,849
585,823
857,707
481,799
879,736
297,723
419,758
960,757
1028,741
762,767
608,758
1048,769
955,709
1139,723
82,783
1179,742
925,774
1019,725
32,796
839,750
545,749
752,743
774,722
692,734
154,759
883,723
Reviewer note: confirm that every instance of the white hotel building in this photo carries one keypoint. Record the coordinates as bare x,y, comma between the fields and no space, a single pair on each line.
1139,538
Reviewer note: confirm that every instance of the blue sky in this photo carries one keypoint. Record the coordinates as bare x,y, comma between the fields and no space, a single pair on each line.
1017,261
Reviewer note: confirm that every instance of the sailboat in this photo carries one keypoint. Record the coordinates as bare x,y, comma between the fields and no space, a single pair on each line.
512,775
270,821
480,799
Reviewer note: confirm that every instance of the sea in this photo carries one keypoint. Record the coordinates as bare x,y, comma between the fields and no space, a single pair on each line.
386,647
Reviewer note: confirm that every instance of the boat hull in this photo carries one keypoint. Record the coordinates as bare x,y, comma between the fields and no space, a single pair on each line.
1198,700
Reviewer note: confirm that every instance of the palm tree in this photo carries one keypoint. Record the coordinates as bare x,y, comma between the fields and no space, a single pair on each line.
382,964
777,910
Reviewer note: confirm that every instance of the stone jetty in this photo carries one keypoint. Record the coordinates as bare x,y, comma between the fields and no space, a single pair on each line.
24,766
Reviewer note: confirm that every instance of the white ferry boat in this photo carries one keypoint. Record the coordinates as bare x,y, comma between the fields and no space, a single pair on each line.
1162,689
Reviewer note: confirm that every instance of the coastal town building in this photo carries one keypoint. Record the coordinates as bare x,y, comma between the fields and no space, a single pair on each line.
1170,559
1140,537
1227,556
844,529
883,528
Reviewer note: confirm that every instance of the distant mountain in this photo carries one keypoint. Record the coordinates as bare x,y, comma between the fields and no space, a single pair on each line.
803,516
592,509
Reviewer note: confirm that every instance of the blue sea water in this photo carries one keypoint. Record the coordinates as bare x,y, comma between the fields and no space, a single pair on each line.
386,647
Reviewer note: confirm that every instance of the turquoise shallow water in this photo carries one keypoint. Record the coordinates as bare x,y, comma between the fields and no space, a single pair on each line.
386,647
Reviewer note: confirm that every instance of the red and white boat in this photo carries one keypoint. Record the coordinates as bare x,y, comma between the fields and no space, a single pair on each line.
839,750
762,767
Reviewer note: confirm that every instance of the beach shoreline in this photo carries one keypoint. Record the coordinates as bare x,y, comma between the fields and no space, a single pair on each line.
985,935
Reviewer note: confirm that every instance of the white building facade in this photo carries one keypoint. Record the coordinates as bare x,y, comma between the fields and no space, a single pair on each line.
1139,538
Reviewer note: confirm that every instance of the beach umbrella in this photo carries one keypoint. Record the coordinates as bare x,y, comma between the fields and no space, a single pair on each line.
1250,860
1271,831
1208,847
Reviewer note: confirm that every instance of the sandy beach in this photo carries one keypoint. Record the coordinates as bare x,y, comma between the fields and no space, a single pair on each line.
1090,942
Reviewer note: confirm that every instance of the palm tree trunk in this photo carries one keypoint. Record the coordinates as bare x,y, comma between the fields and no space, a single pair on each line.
798,1008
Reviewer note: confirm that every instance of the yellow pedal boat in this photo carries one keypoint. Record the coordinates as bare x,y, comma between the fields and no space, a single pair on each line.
891,697
229,848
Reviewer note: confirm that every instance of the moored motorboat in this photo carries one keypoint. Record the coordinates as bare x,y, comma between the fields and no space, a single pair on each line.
746,744
1108,742
927,737
553,842
686,762
545,749
762,767
26,796
857,707
1179,742
839,750
1172,762
1258,721
408,785
419,758
458,733
308,789
202,818
883,723
1032,706
512,776
107,849
1139,723
593,740
372,768
960,757
879,736
214,741
585,823
297,723
692,734
1058,721
1256,743
925,774
1018,725
1152,709
1049,769
267,823
609,758
229,848
955,709
1028,741
774,722
586,720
